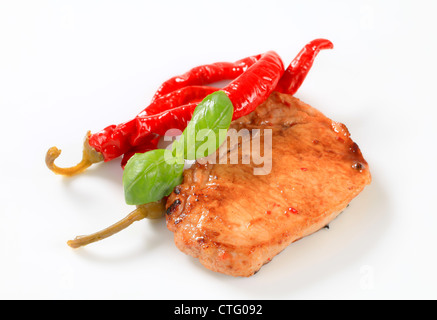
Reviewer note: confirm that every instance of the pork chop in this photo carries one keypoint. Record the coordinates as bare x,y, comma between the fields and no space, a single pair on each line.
234,221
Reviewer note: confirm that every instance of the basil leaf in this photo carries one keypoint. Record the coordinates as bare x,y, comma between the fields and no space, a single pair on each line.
150,176
207,128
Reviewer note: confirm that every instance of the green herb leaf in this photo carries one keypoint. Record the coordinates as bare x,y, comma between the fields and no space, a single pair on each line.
150,176
208,127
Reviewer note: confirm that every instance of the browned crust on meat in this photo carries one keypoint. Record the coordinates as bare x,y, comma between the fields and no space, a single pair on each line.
235,222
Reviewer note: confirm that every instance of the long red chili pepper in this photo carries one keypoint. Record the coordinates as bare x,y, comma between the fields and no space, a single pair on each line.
177,98
151,145
298,69
160,123
246,92
206,74
174,102
143,140
255,85
113,141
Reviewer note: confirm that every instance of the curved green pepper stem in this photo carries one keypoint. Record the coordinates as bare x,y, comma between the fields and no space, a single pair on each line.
89,157
151,210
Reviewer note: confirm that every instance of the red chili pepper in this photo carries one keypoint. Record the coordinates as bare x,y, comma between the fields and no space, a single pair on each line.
151,145
255,85
174,102
298,69
206,74
177,98
115,140
246,92
174,119
160,123
257,76
181,91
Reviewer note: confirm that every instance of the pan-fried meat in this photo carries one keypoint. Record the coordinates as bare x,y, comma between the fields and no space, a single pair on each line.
234,221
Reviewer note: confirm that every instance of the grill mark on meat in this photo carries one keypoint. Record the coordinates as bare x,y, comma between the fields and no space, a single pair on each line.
177,190
173,206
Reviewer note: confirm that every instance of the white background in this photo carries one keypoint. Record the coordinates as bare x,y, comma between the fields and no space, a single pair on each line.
71,66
